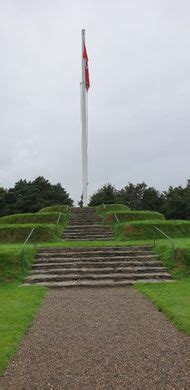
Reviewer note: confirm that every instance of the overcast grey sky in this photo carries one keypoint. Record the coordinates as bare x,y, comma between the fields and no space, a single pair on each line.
139,115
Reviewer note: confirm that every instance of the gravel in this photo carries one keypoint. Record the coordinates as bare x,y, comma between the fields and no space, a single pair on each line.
99,338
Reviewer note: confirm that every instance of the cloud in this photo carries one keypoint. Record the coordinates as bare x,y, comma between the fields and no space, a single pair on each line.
138,101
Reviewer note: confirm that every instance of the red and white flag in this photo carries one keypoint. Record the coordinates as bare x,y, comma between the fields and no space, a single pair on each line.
86,71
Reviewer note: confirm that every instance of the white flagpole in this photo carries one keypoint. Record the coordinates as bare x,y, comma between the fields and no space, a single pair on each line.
84,120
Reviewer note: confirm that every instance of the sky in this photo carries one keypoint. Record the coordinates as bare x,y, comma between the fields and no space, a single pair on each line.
139,114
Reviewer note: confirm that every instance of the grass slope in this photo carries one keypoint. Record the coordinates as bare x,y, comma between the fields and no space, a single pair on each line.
10,262
101,210
173,299
124,216
18,307
36,218
135,230
19,232
59,208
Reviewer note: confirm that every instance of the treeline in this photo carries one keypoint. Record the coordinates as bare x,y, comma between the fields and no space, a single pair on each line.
173,203
31,196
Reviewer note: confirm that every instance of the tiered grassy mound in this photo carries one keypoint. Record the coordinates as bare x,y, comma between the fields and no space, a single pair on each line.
125,216
19,232
35,218
103,209
10,262
16,227
61,208
135,230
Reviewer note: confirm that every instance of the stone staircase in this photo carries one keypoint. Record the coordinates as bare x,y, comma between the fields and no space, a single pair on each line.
84,224
96,267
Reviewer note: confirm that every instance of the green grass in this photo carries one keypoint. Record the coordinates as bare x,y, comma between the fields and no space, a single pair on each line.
36,218
135,230
59,208
18,306
124,216
101,210
173,299
19,232
10,262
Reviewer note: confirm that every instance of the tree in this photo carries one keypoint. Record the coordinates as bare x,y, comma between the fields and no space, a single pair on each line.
3,207
132,195
177,203
152,199
31,196
106,194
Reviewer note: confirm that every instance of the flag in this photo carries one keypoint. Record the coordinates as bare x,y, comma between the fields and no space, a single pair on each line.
87,79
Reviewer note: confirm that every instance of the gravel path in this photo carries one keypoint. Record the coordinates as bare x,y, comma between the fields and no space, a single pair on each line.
100,339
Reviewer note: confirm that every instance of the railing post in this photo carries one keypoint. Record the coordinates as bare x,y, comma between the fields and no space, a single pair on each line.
173,252
34,239
116,218
170,239
22,259
154,238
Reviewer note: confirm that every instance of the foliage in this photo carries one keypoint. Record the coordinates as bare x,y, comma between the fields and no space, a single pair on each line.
106,194
177,203
31,196
140,197
173,299
174,203
18,306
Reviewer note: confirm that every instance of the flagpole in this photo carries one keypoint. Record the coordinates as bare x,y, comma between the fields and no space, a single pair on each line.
84,121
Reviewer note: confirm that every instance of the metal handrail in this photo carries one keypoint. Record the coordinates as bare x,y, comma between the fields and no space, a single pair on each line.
58,219
169,238
116,217
22,250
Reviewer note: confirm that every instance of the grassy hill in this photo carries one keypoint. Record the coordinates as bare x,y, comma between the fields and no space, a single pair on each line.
125,216
61,208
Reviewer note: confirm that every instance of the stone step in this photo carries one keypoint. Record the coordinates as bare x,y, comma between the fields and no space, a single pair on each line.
95,255
90,276
102,264
87,270
87,233
131,248
89,230
95,283
101,259
92,237
82,226
83,238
